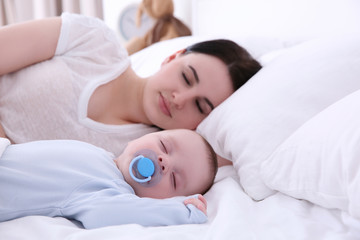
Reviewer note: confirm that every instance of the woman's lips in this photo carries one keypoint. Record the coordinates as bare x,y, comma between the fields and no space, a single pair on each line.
164,106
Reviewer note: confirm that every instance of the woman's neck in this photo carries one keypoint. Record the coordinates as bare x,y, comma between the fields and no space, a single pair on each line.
131,96
120,101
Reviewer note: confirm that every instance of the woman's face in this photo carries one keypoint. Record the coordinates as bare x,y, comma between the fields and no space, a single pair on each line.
185,90
181,154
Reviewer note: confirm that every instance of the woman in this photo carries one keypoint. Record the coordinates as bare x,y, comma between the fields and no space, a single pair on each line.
68,78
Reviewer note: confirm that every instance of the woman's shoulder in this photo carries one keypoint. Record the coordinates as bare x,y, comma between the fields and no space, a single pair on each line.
90,33
83,20
91,39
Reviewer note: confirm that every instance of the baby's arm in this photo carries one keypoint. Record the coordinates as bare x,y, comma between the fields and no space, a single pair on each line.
104,210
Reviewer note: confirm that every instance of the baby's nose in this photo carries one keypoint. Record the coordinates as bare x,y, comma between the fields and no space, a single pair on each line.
163,165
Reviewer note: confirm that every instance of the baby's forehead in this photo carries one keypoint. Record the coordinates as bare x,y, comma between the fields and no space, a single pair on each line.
180,133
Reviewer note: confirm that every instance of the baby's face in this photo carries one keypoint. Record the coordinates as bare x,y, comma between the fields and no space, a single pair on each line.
183,157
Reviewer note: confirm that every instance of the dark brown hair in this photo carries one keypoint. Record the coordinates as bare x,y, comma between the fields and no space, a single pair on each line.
241,65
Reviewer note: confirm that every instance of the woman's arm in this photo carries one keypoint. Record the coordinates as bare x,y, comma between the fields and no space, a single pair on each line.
27,43
2,132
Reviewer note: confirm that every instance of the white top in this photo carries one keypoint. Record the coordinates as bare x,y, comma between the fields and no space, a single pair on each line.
79,181
49,100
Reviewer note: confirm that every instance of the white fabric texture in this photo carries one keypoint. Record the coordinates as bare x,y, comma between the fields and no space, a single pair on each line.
287,92
4,142
320,162
49,100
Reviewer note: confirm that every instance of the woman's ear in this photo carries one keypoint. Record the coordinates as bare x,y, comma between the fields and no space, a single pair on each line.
173,56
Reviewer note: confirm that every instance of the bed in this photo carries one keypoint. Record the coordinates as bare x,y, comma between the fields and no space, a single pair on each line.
292,132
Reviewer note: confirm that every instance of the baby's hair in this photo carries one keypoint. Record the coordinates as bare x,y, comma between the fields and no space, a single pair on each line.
213,164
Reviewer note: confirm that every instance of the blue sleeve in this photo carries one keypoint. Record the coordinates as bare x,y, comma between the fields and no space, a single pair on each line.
106,209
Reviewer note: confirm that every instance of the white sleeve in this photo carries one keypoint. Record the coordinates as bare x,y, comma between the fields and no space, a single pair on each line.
4,143
105,209
89,37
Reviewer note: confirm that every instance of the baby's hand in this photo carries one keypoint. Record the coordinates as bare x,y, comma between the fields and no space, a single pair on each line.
199,202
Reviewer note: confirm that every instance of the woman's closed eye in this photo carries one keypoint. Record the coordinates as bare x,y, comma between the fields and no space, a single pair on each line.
197,102
186,79
204,106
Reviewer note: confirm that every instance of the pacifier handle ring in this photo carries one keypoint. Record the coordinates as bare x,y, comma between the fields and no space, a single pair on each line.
131,172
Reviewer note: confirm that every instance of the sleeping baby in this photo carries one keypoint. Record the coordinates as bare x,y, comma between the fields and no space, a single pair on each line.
79,181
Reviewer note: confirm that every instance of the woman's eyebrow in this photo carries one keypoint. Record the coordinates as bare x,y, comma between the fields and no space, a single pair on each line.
195,73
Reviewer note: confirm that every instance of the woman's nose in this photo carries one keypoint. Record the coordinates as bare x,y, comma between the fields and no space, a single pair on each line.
181,98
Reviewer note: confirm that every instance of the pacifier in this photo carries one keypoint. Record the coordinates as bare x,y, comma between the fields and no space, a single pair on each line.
144,168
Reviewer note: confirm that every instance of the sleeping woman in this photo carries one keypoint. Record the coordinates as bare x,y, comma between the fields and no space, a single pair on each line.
69,78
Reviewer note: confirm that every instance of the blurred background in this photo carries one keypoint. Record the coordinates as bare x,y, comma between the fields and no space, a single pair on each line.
279,23
12,11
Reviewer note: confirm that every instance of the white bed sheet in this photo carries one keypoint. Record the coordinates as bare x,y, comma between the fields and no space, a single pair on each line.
232,215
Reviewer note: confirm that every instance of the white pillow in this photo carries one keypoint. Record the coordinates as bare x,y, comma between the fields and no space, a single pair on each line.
148,60
287,92
320,162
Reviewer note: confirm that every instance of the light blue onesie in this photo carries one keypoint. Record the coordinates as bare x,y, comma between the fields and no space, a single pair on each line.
79,181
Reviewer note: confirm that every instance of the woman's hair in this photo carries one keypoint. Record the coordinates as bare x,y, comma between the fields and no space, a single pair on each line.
241,65
213,164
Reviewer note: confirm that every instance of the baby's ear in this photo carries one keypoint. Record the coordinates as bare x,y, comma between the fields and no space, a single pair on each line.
173,56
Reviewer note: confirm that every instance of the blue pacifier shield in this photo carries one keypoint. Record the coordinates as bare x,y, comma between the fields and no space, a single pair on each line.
146,167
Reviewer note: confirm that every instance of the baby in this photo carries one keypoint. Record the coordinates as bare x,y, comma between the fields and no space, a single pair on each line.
79,181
